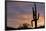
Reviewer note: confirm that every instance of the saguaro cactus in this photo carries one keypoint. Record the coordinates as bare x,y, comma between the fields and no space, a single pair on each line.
35,15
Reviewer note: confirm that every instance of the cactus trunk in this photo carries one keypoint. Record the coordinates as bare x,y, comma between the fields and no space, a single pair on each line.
35,23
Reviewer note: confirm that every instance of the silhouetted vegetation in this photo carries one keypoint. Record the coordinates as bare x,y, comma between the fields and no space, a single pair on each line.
25,25
35,15
10,28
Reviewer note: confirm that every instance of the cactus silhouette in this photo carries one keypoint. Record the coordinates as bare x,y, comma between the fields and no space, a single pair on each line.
35,15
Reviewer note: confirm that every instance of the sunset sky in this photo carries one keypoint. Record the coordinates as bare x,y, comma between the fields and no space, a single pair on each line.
21,12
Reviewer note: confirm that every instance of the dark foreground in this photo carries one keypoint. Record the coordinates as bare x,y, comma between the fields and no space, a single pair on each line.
10,28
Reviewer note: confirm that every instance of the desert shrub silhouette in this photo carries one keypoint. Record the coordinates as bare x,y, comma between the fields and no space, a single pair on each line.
25,25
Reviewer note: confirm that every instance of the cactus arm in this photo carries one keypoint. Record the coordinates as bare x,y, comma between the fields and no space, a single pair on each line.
33,12
38,15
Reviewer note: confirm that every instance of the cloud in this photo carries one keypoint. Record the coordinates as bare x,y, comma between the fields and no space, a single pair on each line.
23,18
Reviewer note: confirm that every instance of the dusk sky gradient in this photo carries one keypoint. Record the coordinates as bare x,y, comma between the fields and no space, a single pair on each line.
21,12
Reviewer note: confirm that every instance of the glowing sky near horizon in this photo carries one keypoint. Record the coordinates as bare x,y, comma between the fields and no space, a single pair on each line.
20,12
